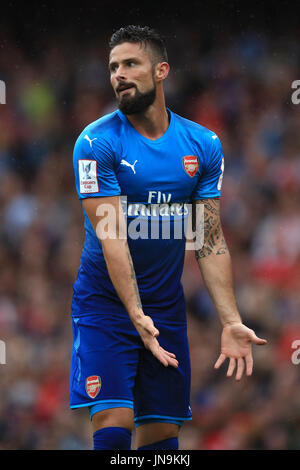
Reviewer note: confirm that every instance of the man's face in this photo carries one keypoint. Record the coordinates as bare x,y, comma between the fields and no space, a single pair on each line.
131,76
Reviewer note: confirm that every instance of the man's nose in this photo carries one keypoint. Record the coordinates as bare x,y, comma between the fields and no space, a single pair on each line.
120,74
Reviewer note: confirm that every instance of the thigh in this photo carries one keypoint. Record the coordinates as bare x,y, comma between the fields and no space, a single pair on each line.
104,362
120,417
162,394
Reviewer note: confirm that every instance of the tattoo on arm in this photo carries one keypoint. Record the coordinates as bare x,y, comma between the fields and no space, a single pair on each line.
214,241
133,277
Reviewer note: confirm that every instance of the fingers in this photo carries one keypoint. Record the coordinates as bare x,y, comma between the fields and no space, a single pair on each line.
240,365
231,367
249,364
173,363
165,357
166,360
220,361
170,357
170,354
240,368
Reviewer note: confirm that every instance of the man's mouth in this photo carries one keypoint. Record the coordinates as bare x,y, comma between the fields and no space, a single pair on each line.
123,88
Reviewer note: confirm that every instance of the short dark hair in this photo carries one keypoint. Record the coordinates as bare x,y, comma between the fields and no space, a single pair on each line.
143,35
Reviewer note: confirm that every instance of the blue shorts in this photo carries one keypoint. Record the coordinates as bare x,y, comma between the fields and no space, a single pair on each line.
110,368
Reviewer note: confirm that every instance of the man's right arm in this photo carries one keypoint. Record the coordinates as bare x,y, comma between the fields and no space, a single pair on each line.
108,221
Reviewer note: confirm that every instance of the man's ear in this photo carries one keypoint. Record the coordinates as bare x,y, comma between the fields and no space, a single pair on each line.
161,71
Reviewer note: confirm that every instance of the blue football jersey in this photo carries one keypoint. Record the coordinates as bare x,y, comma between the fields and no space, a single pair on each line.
157,181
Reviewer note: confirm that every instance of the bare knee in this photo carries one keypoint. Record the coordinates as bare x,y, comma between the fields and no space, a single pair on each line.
113,417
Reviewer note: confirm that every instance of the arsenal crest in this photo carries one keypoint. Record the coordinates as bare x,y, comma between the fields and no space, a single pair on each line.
93,385
190,165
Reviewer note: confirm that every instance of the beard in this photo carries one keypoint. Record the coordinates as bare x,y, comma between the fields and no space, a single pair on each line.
138,103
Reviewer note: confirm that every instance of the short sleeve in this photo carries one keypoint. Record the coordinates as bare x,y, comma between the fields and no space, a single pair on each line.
210,180
94,171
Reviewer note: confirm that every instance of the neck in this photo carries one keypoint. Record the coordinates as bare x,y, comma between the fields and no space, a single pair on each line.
152,123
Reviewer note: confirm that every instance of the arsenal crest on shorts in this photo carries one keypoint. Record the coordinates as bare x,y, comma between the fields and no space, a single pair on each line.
190,165
93,385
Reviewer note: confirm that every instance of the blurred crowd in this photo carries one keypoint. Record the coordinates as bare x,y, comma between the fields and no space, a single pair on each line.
239,86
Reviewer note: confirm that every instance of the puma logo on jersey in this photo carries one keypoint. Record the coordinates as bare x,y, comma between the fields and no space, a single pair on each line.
90,140
123,162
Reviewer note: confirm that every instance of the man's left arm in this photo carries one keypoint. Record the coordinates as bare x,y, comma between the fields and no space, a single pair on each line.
214,261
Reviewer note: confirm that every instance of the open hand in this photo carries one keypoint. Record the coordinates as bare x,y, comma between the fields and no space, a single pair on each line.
236,344
148,334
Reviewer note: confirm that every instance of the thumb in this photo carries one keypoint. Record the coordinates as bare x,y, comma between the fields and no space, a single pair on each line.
150,328
155,332
255,339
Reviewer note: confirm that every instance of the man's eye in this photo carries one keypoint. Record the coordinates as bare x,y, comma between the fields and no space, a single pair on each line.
131,63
